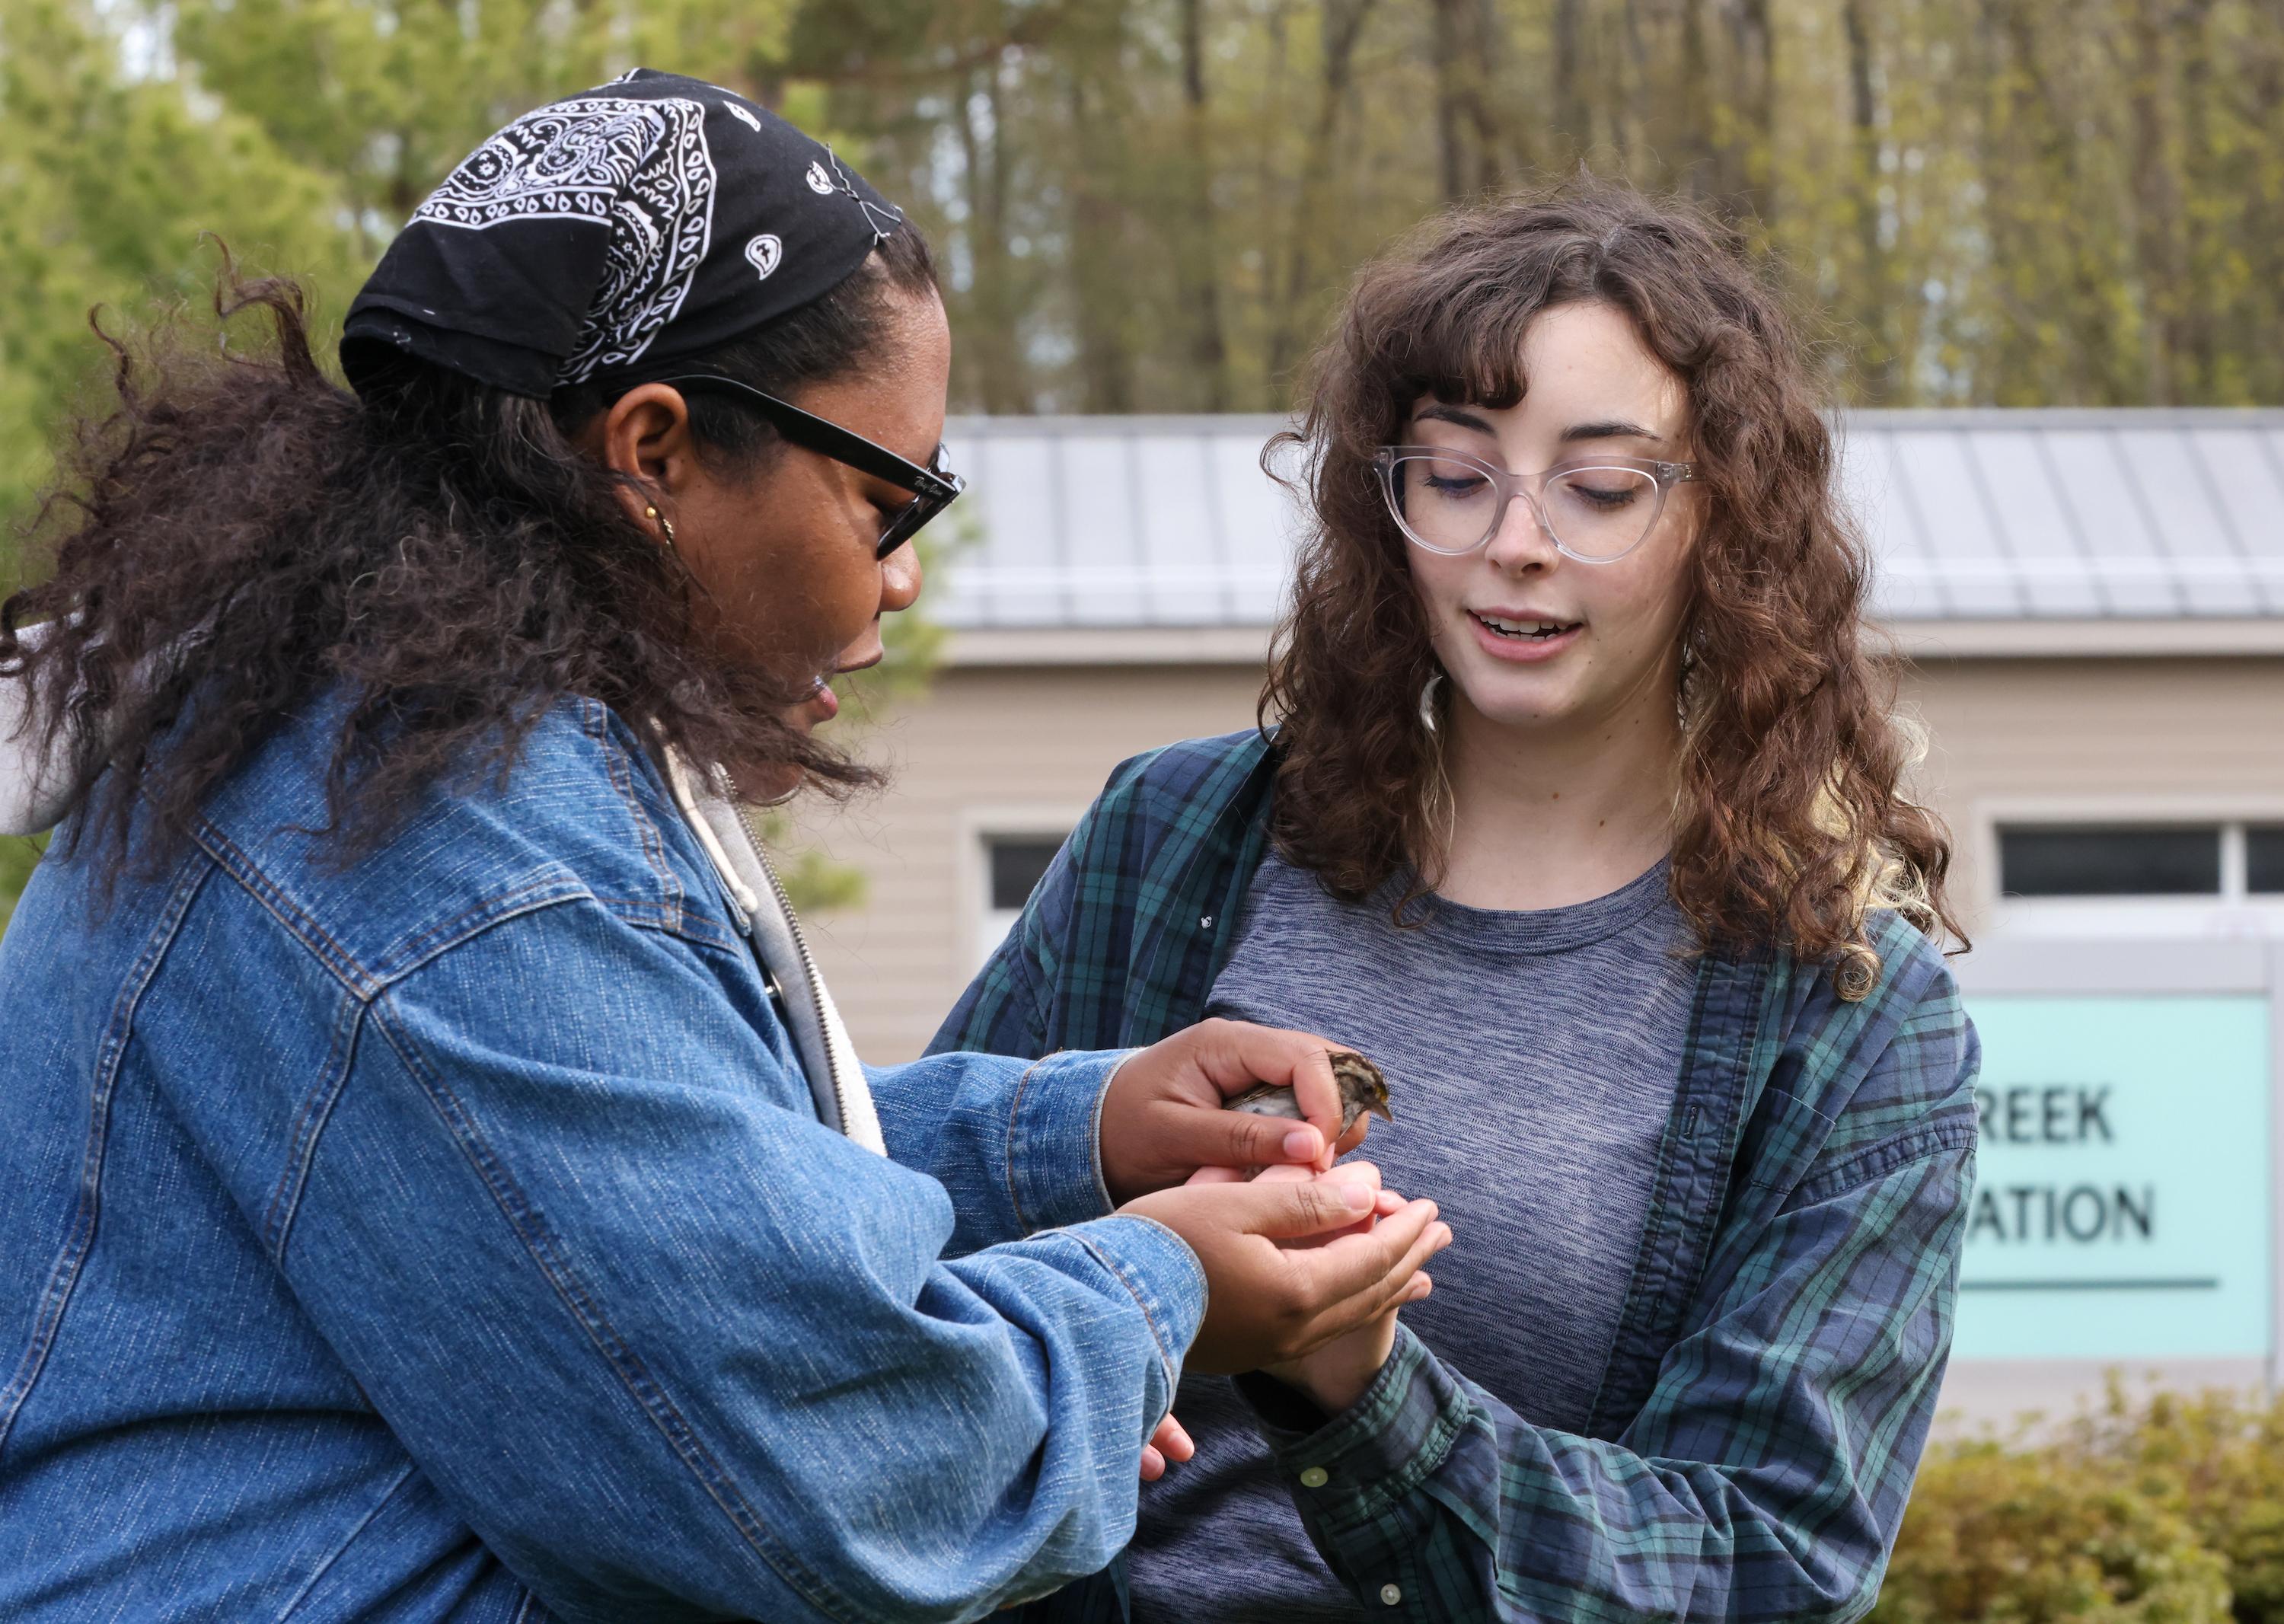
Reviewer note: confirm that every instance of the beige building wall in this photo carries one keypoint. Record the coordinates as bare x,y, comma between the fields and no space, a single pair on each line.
989,749
1012,749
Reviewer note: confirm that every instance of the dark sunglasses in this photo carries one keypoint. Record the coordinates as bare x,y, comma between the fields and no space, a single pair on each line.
932,489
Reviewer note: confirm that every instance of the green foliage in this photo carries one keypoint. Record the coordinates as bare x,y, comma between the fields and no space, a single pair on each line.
1993,1535
17,857
2228,1458
813,881
1149,204
300,132
2170,1512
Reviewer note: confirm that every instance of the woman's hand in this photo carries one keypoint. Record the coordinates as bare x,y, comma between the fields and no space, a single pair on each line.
1162,1118
1269,1302
1171,1442
1336,1375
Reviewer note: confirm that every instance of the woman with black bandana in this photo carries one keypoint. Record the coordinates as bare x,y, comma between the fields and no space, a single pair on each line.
437,1183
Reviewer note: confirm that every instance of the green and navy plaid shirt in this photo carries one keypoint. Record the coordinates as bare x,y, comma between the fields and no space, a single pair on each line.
1779,1350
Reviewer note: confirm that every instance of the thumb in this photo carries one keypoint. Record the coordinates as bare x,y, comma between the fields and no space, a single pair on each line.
1240,1139
1289,1211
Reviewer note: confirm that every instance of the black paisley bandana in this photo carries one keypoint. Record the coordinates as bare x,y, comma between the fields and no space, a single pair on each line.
616,233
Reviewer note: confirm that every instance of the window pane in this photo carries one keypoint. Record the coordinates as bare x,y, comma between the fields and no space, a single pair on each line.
2264,858
1017,862
2110,861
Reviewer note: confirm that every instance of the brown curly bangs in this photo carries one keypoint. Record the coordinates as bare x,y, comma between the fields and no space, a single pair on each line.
1793,820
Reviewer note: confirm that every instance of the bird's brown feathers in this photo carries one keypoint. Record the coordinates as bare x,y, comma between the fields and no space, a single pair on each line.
1362,1088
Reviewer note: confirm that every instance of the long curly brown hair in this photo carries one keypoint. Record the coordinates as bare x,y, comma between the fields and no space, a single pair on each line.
1792,820
237,533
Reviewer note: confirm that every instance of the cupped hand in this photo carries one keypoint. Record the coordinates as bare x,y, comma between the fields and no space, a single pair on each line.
1337,1374
1162,1118
1269,1302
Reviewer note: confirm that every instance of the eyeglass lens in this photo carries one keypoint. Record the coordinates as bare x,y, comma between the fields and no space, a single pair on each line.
902,524
907,520
1451,506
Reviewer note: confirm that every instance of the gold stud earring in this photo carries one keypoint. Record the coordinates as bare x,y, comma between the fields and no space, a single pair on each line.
664,523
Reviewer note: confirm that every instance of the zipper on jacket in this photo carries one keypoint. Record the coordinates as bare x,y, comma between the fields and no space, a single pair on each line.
808,963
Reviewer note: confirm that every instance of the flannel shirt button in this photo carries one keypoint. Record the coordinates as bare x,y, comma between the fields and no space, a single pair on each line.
1315,1477
1390,1594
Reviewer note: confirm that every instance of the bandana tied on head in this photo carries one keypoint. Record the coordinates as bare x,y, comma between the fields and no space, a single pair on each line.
622,231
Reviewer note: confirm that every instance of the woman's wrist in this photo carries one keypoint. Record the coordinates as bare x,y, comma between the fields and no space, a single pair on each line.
1338,1393
1338,1374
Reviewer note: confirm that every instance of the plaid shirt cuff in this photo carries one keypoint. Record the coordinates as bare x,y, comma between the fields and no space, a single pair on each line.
1055,1139
1352,1468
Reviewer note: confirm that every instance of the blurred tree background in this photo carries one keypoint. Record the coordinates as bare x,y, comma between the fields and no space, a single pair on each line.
1151,206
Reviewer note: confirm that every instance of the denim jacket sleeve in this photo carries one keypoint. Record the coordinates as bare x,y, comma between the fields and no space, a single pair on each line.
1019,1149
1765,1477
675,1349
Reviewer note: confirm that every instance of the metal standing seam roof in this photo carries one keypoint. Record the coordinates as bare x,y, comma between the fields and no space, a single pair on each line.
1074,522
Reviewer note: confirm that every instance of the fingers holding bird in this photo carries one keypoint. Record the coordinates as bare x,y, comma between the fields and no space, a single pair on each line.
1298,1098
1363,1092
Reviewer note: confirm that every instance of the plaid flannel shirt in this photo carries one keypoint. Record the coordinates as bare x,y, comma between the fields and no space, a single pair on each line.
1778,1357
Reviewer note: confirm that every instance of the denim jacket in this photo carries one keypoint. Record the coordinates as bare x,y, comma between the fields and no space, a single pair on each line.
1776,1364
452,1235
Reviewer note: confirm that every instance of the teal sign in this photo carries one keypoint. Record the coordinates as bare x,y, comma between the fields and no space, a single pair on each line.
2121,1205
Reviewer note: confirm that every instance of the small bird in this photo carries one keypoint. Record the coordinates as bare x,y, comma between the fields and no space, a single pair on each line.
1362,1089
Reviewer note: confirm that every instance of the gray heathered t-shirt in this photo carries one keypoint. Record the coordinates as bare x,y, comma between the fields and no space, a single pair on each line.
1531,1060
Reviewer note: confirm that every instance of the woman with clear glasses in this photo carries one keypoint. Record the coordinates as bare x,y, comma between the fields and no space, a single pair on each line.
1579,806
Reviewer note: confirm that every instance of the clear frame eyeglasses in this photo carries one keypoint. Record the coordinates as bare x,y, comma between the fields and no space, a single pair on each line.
1597,510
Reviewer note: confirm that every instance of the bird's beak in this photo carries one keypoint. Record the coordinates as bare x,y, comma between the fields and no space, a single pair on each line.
1378,1108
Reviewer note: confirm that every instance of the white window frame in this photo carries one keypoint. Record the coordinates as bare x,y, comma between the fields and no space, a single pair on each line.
2233,914
981,928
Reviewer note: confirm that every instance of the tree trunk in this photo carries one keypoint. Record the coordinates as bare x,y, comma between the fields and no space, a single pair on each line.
1446,49
1200,259
1106,365
1492,135
2202,294
1572,121
992,302
2156,198
1878,363
1343,26
1695,158
1753,73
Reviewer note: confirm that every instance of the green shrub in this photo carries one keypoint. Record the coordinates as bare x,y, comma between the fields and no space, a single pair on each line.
1997,1535
2227,1457
17,857
2166,1512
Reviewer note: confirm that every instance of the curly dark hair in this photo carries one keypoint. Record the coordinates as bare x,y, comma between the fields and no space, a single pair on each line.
238,532
1793,820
